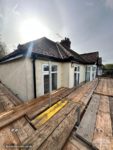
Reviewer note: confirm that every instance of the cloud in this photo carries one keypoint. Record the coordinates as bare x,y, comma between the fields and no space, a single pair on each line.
1,16
89,3
15,10
109,3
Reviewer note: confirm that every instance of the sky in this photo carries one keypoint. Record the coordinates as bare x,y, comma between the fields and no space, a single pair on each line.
88,23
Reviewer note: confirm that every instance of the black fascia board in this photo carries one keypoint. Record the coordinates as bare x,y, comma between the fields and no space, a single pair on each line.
45,57
41,56
12,55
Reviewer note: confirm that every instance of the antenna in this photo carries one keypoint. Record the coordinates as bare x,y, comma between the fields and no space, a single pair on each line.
59,36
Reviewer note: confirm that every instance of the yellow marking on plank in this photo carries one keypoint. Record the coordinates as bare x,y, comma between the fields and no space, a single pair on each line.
46,115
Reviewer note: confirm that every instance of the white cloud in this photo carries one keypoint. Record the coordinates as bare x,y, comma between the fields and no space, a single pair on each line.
89,3
109,3
15,10
1,16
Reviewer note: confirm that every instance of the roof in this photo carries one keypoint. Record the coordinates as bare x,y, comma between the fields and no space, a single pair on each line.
91,57
45,48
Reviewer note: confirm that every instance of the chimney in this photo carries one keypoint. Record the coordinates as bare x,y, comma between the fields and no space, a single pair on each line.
66,43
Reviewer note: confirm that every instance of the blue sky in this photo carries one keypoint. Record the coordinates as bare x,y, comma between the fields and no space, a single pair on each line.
88,23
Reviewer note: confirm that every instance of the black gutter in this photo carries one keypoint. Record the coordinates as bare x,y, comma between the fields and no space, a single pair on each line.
34,77
52,58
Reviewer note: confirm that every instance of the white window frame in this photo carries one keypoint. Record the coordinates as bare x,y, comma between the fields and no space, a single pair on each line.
91,71
54,71
47,73
77,72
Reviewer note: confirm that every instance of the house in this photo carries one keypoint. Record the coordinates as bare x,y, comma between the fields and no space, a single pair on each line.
94,65
26,70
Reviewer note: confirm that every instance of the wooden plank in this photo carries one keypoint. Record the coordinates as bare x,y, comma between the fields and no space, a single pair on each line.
47,131
103,131
87,124
39,137
7,99
89,93
104,94
44,104
24,129
49,113
41,103
85,88
104,104
14,134
111,144
105,87
17,112
75,144
23,109
8,138
11,96
6,102
1,107
49,127
111,110
57,139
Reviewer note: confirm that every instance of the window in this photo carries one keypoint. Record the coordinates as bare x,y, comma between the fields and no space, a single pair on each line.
76,75
54,68
77,68
54,77
46,84
46,77
88,76
93,68
88,70
46,68
93,72
54,81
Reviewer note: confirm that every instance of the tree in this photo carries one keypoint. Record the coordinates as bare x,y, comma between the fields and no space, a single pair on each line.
108,66
3,49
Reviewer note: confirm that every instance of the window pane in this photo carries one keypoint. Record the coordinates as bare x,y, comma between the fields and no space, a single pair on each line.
75,68
46,68
46,84
78,68
94,69
93,76
54,67
76,79
54,81
88,76
88,68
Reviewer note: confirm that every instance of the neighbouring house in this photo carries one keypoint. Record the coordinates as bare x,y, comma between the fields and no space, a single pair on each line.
26,70
94,65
